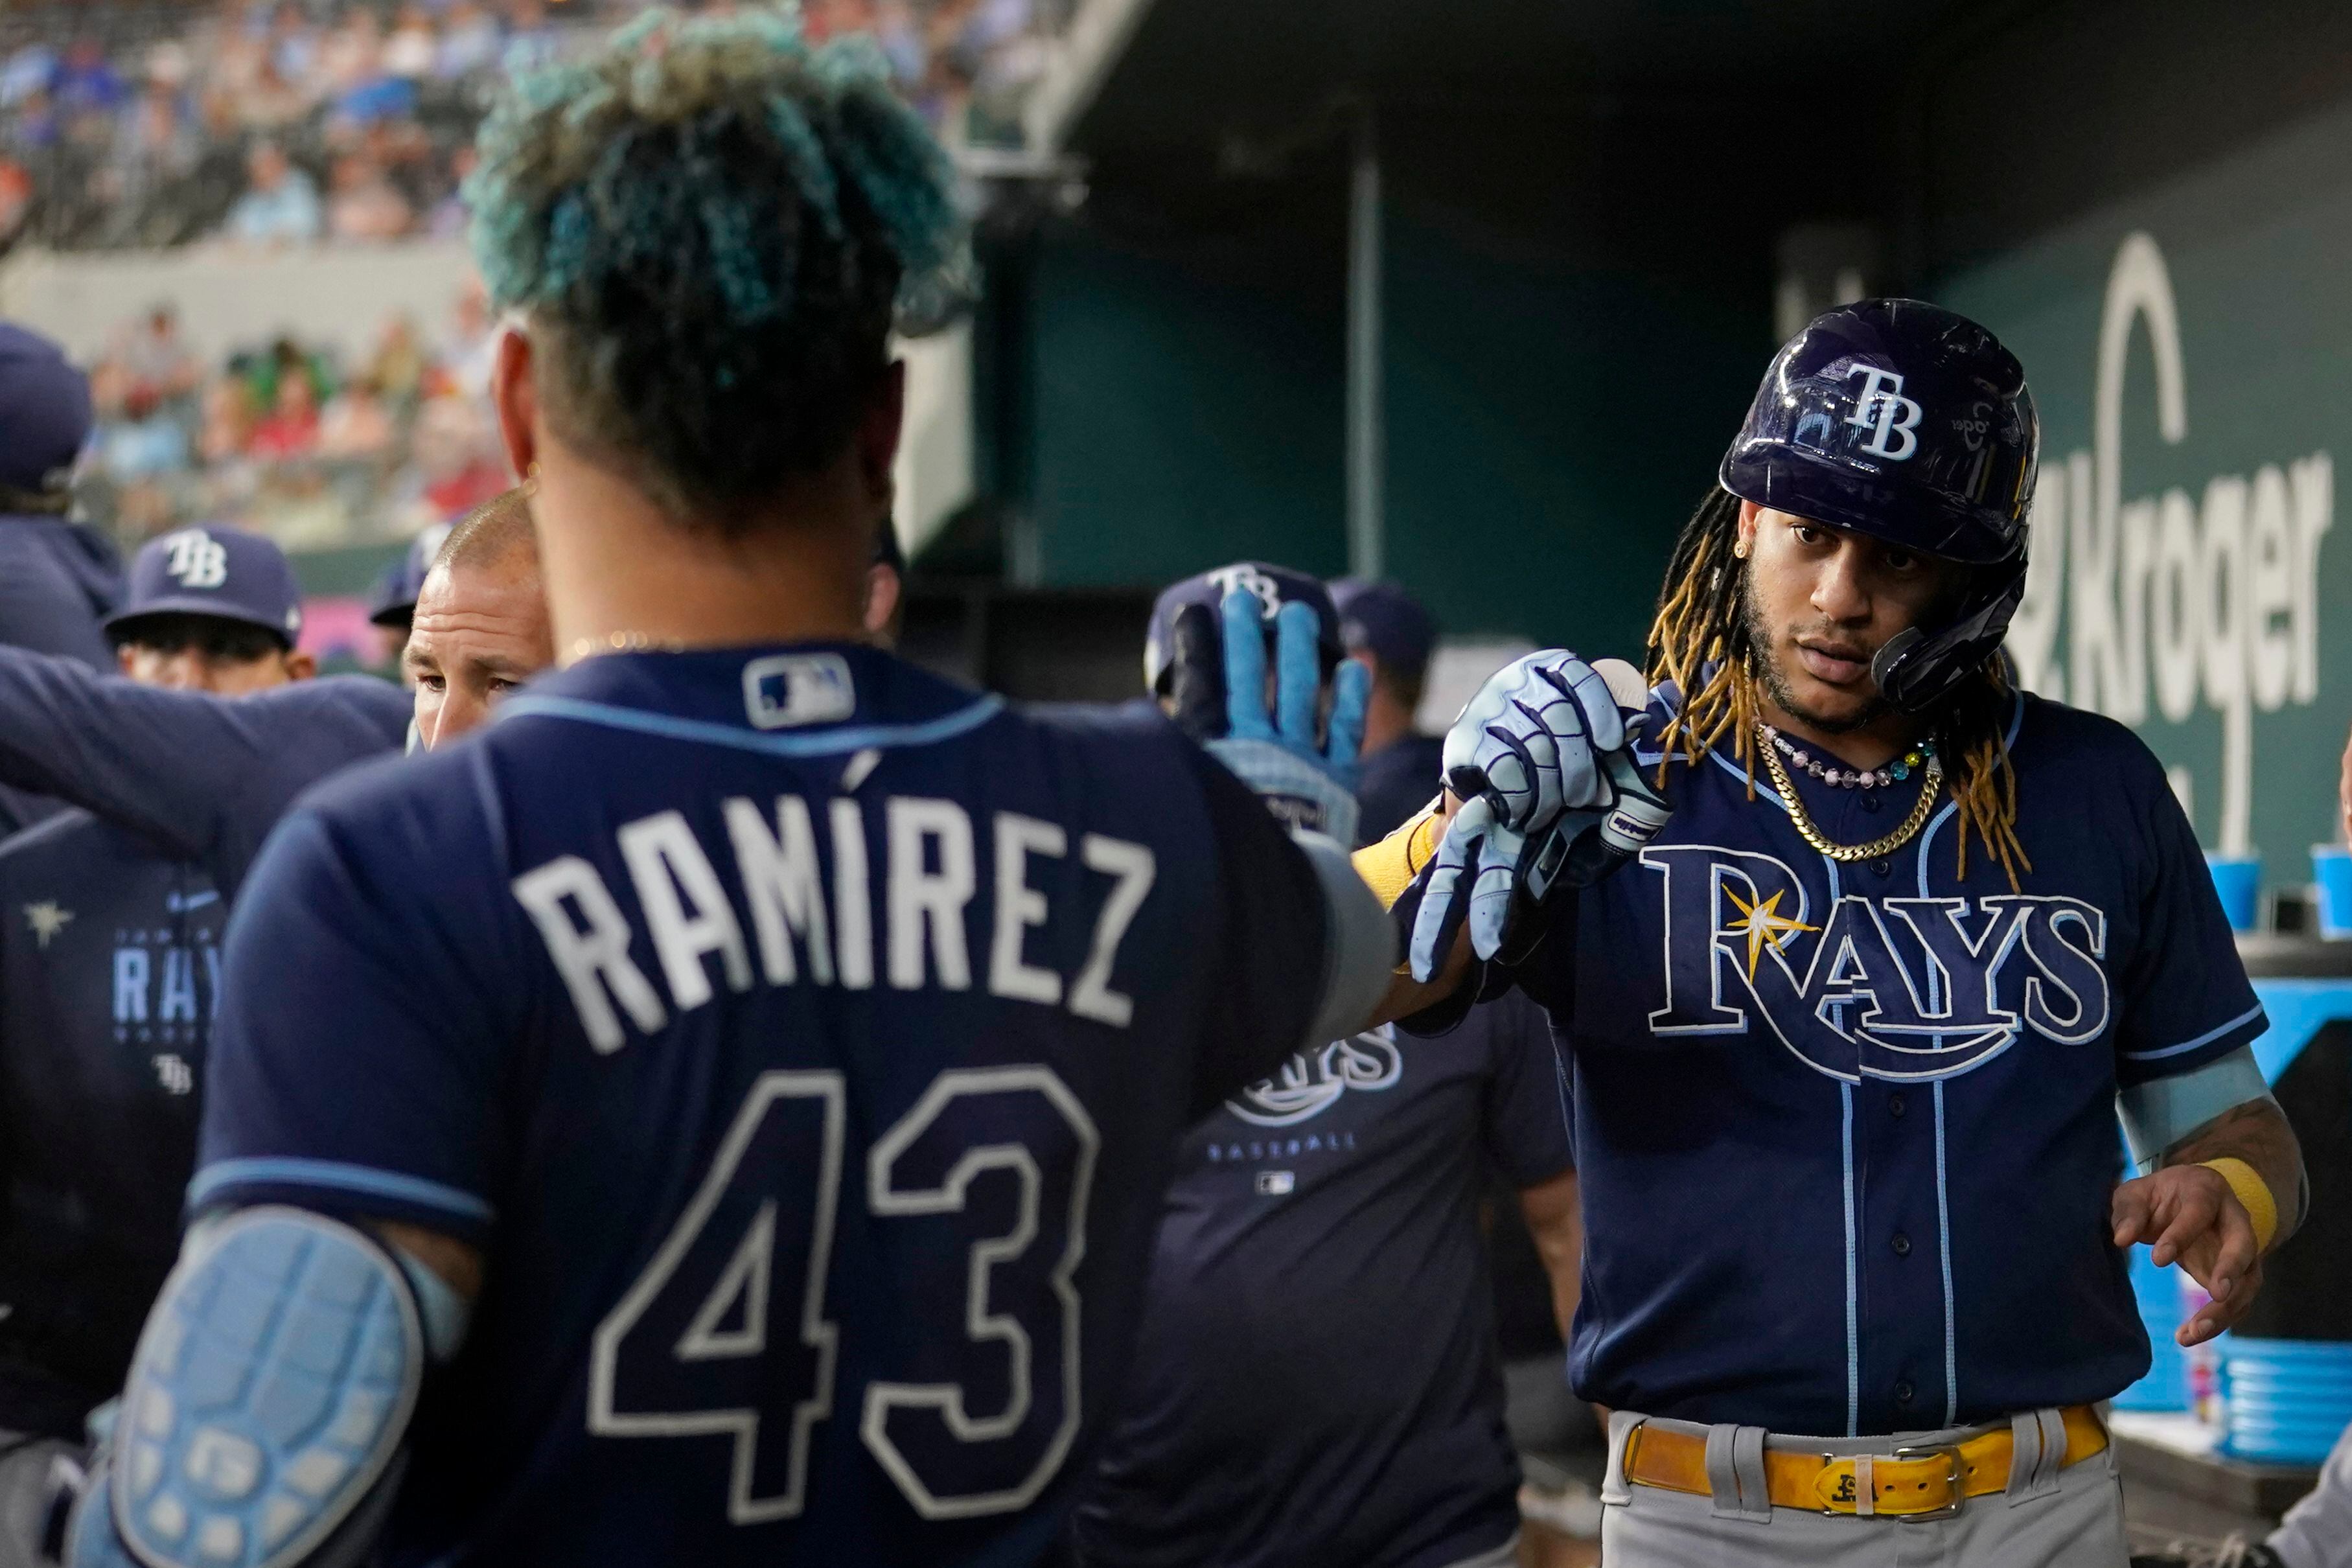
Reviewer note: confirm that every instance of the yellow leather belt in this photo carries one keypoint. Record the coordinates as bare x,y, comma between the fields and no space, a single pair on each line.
1909,1483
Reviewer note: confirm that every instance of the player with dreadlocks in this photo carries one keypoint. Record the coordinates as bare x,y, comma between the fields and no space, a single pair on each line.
1851,1030
719,1113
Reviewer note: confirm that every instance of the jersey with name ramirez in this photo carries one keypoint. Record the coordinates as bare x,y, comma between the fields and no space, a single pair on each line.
110,963
1846,1130
805,1040
1316,1380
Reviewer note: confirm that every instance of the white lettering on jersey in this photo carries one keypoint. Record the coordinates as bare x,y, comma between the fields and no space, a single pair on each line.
1020,906
1090,993
783,885
129,985
1871,987
853,907
592,956
178,1002
923,899
671,872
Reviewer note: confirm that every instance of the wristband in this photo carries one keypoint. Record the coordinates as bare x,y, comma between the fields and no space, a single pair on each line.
2253,1193
1389,867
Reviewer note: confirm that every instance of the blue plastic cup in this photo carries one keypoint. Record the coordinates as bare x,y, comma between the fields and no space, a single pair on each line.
2332,865
2239,880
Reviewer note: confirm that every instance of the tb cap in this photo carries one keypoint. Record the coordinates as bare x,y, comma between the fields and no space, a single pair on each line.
224,572
1274,587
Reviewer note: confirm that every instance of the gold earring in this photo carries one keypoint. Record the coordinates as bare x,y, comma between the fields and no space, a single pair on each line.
1739,550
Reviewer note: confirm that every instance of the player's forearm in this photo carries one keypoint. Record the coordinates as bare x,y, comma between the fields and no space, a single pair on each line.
2257,1133
1556,1222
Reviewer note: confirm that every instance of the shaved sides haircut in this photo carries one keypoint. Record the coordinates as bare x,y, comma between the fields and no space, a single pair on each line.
484,535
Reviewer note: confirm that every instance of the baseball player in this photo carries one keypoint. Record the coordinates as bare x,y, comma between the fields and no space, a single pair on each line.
1388,630
59,578
1301,1392
1849,1034
109,956
206,779
755,1061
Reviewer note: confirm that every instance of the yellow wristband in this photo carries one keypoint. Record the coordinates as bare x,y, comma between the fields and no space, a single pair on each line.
2253,1191
1389,867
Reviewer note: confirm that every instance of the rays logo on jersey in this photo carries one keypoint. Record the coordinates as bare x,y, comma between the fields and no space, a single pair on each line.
1310,1082
155,991
1871,986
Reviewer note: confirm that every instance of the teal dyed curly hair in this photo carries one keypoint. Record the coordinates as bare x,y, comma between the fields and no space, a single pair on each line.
707,224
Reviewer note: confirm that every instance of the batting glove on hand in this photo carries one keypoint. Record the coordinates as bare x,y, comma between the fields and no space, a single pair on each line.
1562,803
1218,682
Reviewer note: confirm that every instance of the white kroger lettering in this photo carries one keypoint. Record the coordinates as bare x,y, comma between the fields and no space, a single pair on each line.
1882,409
2216,597
591,956
194,559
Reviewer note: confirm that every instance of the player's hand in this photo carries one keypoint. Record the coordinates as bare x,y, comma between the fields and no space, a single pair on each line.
1218,682
1495,876
1532,740
2188,1214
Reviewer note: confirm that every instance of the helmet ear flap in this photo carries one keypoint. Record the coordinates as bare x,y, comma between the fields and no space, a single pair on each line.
1915,669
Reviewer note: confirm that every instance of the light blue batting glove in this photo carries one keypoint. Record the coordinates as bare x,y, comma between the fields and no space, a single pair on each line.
1307,784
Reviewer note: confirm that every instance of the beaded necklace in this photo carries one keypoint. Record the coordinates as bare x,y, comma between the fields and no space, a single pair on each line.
1894,772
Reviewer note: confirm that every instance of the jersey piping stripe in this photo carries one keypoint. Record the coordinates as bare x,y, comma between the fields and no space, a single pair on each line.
1944,1234
333,1174
2250,1015
1853,1323
829,742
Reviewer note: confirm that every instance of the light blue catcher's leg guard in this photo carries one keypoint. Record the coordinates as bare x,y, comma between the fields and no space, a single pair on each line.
266,1405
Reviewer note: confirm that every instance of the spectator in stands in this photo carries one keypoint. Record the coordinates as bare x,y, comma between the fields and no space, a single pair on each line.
1386,628
141,439
281,205
356,423
291,429
226,429
154,356
413,48
272,103
468,43
365,207
398,364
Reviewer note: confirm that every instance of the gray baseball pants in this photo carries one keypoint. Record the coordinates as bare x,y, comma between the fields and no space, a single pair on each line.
2049,1518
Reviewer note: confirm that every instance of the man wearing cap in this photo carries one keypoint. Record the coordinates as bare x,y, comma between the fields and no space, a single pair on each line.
1849,1034
59,578
107,951
1386,629
206,779
1316,1377
392,603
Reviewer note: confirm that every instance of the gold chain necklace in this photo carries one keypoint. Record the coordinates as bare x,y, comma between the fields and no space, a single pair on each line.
623,642
1930,779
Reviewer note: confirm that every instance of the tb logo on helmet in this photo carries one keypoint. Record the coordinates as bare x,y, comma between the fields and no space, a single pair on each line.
1268,591
196,558
1885,412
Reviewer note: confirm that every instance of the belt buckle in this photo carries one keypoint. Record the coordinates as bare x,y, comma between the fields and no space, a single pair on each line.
1954,1466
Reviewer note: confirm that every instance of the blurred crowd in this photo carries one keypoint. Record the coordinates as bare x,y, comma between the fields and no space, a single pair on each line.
288,439
283,122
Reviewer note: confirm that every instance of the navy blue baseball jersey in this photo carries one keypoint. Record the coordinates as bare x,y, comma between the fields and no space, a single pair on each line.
59,582
805,1040
1316,1381
1397,781
204,777
109,970
1846,1132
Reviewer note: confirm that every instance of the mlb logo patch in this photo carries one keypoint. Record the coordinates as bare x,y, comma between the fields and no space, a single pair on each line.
784,691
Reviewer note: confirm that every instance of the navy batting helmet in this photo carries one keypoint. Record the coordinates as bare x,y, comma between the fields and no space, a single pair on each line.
1903,421
1274,587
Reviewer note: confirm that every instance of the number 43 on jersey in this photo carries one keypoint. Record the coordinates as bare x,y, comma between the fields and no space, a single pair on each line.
727,1330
